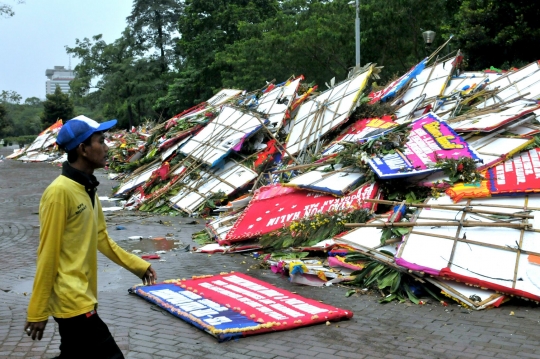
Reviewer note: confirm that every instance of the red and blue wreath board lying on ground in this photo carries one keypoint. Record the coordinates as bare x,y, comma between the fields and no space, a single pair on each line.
234,305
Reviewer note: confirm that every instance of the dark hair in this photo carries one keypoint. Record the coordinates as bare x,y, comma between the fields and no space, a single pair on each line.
72,155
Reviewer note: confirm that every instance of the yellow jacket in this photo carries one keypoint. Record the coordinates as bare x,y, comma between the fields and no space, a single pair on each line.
71,232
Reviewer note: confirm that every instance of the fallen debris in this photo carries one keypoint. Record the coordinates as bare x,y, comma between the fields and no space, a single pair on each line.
234,305
419,168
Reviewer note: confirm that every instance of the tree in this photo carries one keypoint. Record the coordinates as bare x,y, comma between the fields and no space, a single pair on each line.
154,23
20,119
127,84
305,37
6,125
57,106
206,27
6,10
33,101
242,44
10,97
498,33
317,39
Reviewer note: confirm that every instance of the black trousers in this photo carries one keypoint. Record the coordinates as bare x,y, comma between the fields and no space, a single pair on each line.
86,336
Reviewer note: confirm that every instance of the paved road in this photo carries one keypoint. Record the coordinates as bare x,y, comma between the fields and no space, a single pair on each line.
143,331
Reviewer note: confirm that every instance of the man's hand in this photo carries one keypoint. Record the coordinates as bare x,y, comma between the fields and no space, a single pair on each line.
35,329
150,276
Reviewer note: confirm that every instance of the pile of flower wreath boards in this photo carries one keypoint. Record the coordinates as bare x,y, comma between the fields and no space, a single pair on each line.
428,182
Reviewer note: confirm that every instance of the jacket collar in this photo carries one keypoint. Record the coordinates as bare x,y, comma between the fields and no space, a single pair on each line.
89,182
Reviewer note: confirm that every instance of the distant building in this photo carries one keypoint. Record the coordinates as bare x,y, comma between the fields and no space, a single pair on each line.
58,76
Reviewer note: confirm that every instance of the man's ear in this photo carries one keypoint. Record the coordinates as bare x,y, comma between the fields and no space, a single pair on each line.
81,149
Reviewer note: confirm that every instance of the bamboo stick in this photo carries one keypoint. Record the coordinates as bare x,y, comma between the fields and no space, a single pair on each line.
449,289
440,224
490,205
464,208
337,171
518,254
308,165
482,244
489,109
456,237
275,138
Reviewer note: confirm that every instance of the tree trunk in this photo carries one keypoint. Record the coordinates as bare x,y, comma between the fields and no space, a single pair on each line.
139,111
130,116
160,41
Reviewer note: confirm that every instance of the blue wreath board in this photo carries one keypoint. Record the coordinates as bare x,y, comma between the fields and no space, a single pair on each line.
396,166
186,305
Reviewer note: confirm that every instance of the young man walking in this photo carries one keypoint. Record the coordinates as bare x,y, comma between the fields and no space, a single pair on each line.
72,230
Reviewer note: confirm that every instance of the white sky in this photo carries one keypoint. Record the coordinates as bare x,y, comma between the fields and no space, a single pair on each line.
35,38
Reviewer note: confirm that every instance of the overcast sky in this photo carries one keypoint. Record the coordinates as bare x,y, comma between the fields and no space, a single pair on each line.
35,38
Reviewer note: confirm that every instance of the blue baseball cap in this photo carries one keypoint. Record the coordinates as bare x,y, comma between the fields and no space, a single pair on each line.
78,129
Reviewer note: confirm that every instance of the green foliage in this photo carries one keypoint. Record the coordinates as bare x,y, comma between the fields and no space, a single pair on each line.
396,232
312,229
175,54
358,154
18,119
280,256
303,37
121,166
206,28
367,110
493,32
399,190
6,10
393,284
154,23
21,140
316,39
460,170
212,202
57,106
202,238
25,140
128,83
5,123
533,145
10,97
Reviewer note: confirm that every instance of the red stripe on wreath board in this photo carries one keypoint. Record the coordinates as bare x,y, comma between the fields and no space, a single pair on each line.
519,174
270,214
263,302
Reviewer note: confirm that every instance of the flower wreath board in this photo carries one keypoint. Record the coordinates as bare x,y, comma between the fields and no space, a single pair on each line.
234,305
430,139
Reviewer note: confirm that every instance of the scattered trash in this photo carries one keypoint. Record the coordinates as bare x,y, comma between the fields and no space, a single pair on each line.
121,228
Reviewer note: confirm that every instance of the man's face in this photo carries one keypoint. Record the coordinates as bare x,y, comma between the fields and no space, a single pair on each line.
96,153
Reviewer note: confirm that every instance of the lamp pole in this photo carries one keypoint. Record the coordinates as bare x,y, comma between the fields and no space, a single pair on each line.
357,25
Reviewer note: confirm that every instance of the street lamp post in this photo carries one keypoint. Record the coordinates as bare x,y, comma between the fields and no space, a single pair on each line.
357,25
357,30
